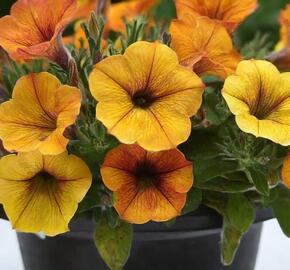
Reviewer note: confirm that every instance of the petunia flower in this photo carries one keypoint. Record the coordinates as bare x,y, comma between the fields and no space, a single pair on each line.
281,56
286,172
41,193
116,13
147,186
85,7
230,13
204,46
145,96
36,117
34,29
128,10
259,96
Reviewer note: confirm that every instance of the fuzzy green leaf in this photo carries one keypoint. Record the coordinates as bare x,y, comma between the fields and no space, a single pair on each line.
231,238
194,198
114,244
240,212
279,200
225,185
260,180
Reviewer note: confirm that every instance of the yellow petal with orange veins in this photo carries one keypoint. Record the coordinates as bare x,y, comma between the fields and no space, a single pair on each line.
46,196
148,97
146,205
38,113
259,96
286,172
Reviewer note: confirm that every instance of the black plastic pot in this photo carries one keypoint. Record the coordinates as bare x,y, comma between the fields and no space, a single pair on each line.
192,243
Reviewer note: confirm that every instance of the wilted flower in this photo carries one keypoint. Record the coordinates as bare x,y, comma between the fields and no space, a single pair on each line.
41,193
229,13
145,96
34,29
259,96
204,46
36,117
147,186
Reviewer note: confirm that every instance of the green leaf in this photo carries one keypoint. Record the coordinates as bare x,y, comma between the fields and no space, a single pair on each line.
279,200
114,244
259,179
225,185
201,145
240,212
91,201
193,201
215,112
206,170
231,238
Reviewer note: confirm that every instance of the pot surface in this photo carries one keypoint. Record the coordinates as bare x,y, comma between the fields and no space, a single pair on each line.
192,243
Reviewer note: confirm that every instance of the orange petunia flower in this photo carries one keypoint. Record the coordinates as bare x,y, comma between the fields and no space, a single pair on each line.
41,193
286,172
147,186
145,96
129,10
85,7
38,114
34,28
228,12
281,56
204,45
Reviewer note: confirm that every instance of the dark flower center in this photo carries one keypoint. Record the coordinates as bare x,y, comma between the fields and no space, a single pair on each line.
142,99
146,174
44,178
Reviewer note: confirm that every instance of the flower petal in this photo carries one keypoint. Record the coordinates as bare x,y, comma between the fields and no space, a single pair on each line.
35,204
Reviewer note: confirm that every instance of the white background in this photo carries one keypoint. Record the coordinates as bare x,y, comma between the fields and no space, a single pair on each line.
274,253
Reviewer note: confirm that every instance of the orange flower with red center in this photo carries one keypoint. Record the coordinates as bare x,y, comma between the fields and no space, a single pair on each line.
34,29
281,56
147,186
204,46
230,13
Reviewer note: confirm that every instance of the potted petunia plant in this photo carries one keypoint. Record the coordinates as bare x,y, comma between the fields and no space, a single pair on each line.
142,134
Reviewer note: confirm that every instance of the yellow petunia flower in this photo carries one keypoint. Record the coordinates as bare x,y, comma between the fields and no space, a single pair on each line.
41,193
36,117
230,13
204,46
259,96
147,186
145,96
34,29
